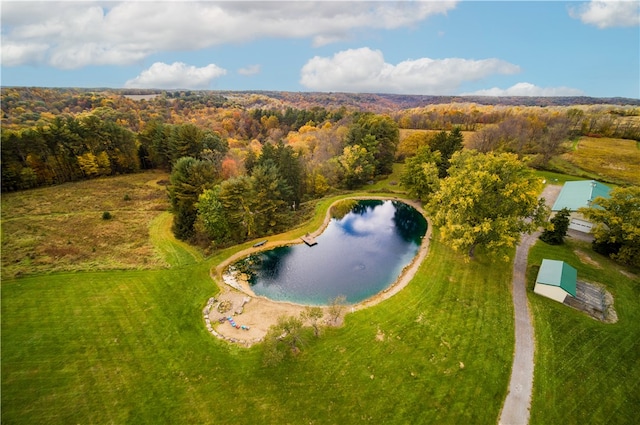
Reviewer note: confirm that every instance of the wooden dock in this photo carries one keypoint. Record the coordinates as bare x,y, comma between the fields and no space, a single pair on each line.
309,240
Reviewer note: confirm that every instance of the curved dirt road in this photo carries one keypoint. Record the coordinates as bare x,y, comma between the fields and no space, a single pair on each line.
515,410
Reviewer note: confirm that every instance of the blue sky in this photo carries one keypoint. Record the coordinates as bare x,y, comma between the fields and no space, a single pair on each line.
540,48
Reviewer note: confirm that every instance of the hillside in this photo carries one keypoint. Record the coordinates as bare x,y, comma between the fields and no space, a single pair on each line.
44,98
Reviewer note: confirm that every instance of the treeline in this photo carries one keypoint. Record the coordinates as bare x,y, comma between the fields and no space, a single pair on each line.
71,149
263,201
68,149
593,121
293,118
266,195
104,136
539,136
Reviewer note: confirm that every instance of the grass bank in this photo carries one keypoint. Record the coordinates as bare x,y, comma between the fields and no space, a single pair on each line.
131,347
586,371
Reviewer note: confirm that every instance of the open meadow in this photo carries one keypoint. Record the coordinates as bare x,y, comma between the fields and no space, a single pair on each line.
130,346
614,161
62,228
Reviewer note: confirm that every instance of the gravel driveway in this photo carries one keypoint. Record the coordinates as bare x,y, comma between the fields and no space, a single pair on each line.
517,405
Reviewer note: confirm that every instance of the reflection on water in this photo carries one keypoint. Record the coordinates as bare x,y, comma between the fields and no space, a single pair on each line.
356,256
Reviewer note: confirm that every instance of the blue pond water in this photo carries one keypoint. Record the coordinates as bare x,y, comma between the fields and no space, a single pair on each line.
356,256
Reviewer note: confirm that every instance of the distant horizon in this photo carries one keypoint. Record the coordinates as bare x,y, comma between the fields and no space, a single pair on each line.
159,91
431,48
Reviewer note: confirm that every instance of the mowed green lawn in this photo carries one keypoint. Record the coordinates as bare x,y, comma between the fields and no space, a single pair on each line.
587,372
131,347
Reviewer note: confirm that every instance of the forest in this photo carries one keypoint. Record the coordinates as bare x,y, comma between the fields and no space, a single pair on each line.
244,164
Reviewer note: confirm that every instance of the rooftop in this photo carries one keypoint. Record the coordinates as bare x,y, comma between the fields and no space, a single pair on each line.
578,194
558,273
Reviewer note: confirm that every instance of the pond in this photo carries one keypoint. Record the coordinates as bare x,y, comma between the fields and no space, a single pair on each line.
356,256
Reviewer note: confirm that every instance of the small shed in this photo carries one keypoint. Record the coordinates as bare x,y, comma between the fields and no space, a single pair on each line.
578,194
556,280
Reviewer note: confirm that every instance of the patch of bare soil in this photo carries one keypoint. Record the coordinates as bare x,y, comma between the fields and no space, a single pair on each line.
238,317
585,258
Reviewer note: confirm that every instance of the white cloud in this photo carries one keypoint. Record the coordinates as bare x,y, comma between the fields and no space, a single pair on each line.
249,70
528,89
177,75
608,13
77,34
364,70
17,53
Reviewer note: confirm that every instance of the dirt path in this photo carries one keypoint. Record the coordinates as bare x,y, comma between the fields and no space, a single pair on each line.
259,313
517,405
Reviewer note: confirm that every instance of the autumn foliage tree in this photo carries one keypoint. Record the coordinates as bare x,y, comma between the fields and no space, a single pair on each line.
487,200
617,224
420,175
379,134
357,166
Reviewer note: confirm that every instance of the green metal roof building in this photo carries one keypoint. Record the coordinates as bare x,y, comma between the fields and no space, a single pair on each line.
556,280
579,194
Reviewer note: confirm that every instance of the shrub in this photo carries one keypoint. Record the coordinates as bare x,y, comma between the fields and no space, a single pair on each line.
106,215
560,224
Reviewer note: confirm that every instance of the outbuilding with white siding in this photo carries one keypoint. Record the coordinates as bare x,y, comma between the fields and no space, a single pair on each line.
556,280
577,194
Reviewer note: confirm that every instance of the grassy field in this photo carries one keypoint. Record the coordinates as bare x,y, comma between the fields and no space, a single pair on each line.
610,160
61,228
586,371
175,253
615,161
130,347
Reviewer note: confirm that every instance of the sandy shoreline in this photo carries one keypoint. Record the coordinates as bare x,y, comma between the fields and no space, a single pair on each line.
254,314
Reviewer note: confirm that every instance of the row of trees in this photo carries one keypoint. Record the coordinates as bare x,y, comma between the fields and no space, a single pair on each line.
161,145
75,148
539,136
293,119
239,115
132,142
265,197
67,149
247,206
595,121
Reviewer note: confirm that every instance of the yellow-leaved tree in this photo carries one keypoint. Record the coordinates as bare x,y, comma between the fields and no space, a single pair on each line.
487,200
